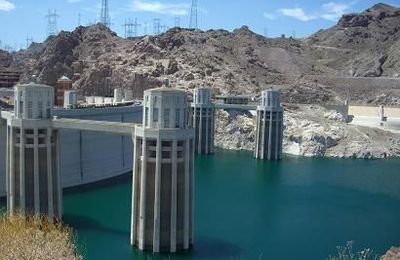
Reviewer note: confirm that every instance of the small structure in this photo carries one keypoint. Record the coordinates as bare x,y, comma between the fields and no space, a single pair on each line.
118,95
269,134
70,98
163,174
9,78
33,180
238,100
202,119
63,84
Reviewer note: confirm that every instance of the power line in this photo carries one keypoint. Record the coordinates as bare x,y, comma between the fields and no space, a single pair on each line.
105,15
193,15
52,23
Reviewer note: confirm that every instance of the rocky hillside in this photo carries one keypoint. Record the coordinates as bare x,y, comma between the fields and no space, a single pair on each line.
238,62
310,131
365,44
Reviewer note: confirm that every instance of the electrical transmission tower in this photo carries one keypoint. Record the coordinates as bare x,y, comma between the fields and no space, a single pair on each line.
164,28
131,28
193,16
52,23
145,28
105,15
29,41
157,26
177,22
266,32
79,19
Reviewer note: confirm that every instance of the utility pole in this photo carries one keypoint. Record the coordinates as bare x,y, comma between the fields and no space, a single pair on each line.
79,19
29,41
193,16
177,22
52,23
105,15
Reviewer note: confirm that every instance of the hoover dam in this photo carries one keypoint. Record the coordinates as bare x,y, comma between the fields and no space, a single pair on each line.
86,156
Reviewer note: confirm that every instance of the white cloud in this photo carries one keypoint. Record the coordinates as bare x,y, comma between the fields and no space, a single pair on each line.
270,16
158,7
333,11
73,1
297,13
6,5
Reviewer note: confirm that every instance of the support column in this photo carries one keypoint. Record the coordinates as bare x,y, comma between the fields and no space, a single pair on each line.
200,131
7,166
50,188
263,122
269,156
22,170
36,187
174,195
12,170
207,130
212,128
142,214
187,196
257,149
134,191
57,175
157,198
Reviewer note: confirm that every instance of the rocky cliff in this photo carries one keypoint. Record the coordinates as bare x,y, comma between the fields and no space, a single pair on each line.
238,62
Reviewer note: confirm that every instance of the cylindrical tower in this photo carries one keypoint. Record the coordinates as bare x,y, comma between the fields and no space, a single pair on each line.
163,174
202,120
269,135
33,180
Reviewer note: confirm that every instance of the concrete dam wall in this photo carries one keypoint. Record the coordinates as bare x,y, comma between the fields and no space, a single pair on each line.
87,157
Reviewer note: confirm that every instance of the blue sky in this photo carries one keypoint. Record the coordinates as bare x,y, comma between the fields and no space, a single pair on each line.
22,18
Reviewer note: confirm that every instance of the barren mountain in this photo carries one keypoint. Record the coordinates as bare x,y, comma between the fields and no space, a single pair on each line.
325,67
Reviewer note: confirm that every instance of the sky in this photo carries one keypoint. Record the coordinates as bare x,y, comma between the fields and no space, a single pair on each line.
23,19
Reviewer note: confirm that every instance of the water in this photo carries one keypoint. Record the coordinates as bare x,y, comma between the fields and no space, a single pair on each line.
247,209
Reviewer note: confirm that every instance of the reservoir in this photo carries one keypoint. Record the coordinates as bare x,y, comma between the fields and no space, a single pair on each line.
298,208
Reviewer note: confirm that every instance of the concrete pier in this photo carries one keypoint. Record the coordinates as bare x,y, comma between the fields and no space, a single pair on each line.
269,134
162,196
202,119
33,180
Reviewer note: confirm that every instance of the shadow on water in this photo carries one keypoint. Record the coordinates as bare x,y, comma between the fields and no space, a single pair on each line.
82,223
205,248
212,248
100,184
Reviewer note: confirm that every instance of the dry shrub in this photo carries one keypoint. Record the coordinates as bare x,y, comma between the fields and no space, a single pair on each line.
35,238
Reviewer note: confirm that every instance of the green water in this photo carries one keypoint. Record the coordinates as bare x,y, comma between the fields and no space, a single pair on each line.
247,209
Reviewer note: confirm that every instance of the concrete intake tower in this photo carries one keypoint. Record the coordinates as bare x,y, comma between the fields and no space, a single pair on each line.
33,180
269,134
163,174
202,119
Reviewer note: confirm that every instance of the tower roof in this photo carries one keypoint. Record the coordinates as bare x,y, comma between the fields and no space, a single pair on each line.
64,78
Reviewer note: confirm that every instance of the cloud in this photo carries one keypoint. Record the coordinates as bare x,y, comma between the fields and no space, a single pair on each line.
270,16
297,13
6,5
73,1
333,11
158,7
